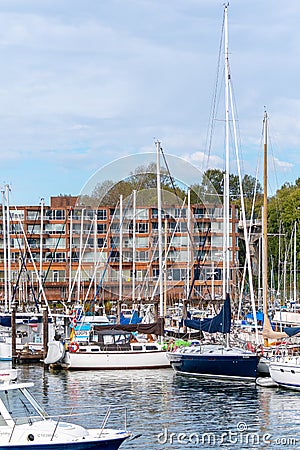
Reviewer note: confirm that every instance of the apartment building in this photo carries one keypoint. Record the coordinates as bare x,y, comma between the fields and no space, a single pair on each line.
68,252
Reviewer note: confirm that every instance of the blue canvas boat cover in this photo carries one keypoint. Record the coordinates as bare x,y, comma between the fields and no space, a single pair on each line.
5,321
221,323
291,331
134,319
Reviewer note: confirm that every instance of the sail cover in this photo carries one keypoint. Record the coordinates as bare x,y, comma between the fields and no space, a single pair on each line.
133,319
268,331
5,321
291,331
143,328
220,323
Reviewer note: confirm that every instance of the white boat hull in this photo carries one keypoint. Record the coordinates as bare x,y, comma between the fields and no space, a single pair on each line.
117,360
5,351
113,351
286,373
266,382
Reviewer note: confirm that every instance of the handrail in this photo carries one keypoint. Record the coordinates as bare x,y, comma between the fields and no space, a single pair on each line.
106,417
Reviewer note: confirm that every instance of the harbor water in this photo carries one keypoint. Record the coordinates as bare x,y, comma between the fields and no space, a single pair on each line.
169,411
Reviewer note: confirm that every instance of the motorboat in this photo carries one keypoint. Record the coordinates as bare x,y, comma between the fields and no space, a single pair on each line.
25,424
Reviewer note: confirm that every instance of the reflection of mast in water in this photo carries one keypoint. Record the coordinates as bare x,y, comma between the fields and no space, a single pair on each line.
264,394
278,407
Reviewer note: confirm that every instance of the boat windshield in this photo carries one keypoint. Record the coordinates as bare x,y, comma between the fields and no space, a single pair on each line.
19,406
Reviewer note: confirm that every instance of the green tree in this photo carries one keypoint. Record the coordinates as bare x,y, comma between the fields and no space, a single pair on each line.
283,213
251,189
142,179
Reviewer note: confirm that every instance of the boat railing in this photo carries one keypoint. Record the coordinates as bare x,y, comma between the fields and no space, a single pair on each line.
108,413
106,417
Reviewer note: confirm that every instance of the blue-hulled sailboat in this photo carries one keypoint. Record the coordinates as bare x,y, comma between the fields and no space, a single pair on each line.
218,360
214,360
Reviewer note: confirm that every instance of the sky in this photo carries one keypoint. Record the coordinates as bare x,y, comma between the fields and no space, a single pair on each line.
85,83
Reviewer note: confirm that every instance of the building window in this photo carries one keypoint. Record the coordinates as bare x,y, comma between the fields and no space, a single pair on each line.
101,242
101,228
142,228
55,276
101,214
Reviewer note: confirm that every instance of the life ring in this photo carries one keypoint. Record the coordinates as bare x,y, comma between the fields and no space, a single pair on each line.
73,347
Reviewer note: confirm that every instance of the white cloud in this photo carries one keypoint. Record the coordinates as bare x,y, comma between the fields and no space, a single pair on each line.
83,83
201,160
283,165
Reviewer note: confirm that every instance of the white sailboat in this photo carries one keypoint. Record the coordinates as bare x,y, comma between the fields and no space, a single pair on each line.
218,361
114,346
275,356
285,371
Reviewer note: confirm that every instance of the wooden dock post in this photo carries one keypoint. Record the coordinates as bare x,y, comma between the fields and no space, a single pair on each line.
13,335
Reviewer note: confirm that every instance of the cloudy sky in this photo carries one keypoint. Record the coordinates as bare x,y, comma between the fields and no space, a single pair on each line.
87,82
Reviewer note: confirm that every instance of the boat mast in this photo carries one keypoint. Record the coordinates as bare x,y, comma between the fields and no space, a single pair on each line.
95,252
41,242
133,246
295,262
7,190
189,258
4,251
70,252
80,258
159,217
265,226
227,168
120,260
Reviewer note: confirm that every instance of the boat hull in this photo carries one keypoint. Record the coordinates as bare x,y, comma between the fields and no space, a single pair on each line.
5,346
116,360
266,382
221,365
113,444
286,374
263,367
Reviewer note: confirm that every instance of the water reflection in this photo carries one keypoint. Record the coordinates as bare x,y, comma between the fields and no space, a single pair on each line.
159,403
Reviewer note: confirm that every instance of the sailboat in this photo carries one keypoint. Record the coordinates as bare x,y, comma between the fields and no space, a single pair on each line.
213,360
113,346
269,362
284,369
